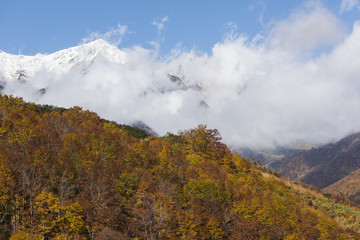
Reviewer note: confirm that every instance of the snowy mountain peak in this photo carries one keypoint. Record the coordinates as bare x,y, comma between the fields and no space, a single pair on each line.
90,50
20,67
99,43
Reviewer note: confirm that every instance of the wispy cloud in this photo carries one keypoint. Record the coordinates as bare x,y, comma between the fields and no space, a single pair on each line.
261,5
348,5
159,23
262,12
250,7
114,36
231,30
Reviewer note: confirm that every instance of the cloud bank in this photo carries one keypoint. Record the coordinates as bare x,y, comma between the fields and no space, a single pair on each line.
277,89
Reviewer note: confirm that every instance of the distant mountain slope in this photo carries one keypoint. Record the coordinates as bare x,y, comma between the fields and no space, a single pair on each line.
349,186
322,166
268,155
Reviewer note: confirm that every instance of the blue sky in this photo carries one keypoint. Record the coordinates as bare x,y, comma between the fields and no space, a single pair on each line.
30,27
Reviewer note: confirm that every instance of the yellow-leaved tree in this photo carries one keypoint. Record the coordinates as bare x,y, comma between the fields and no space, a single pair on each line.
202,144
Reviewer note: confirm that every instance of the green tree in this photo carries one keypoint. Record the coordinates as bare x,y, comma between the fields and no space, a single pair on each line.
21,235
127,185
206,189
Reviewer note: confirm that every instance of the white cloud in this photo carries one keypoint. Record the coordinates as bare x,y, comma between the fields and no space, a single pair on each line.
348,5
160,23
255,93
306,29
114,36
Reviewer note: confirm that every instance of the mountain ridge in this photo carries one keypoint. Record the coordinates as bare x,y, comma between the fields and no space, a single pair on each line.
349,187
322,166
16,66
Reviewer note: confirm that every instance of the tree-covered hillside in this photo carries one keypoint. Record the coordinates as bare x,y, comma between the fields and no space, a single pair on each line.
71,175
349,186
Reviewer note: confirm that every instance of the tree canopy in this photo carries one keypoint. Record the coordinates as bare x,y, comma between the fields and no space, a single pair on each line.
68,174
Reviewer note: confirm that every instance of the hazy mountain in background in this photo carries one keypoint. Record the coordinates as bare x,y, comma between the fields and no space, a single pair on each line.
267,156
349,186
324,165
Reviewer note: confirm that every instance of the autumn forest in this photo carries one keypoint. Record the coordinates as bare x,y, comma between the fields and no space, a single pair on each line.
69,174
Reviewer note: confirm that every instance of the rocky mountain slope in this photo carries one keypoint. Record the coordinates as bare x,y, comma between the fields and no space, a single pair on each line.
322,166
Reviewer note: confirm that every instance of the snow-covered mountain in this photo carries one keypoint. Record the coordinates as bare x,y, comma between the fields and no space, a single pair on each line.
77,60
20,67
120,85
